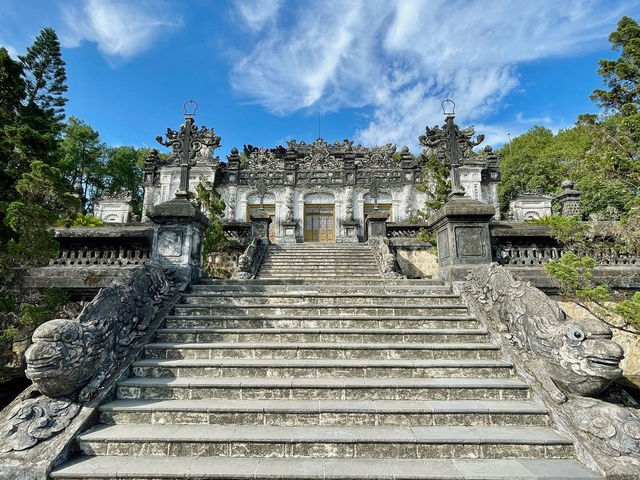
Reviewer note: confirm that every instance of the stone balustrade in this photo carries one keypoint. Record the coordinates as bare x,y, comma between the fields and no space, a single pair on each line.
101,257
239,232
404,230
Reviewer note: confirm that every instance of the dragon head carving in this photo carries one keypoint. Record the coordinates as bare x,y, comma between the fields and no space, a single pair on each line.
583,358
62,357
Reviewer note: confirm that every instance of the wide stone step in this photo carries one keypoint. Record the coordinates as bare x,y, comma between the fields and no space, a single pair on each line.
326,441
243,367
399,388
327,350
328,254
320,321
317,276
293,284
304,298
345,270
325,412
394,335
300,261
315,309
282,287
257,468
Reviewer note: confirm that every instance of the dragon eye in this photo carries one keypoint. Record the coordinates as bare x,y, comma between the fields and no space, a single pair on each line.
576,334
68,336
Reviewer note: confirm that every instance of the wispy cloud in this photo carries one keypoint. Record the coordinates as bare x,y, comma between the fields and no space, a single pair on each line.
13,53
520,118
255,14
122,29
401,58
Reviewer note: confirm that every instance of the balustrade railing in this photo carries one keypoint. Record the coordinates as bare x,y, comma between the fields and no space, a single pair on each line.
404,230
533,255
106,256
524,255
237,231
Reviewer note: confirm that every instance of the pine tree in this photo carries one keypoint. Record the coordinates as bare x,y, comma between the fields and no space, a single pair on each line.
12,88
45,76
622,75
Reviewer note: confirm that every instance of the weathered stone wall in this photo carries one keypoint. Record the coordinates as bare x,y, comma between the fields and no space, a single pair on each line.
415,258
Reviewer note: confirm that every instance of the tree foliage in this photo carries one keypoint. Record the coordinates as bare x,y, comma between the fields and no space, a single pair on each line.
622,75
45,76
213,205
437,185
82,160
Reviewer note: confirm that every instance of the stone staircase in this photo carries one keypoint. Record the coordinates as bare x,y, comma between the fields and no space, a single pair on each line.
323,379
331,261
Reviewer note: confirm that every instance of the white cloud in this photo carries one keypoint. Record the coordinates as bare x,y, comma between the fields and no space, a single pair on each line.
533,120
13,53
401,58
257,13
120,28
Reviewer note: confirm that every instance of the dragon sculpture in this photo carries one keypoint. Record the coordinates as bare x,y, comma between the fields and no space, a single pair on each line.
69,360
572,360
577,354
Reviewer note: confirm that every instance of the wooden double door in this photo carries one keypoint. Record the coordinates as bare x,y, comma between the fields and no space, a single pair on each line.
319,223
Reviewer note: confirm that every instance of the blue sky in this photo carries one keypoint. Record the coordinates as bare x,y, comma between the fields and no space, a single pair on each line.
263,71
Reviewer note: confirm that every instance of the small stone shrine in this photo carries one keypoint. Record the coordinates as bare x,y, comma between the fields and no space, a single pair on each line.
530,206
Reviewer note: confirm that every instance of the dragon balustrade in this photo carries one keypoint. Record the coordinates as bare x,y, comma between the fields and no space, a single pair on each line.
74,364
572,363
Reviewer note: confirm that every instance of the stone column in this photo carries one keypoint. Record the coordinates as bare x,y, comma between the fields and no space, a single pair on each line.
260,221
569,199
376,224
178,231
462,233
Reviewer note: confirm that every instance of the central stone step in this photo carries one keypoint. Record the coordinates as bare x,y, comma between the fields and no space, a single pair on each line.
309,261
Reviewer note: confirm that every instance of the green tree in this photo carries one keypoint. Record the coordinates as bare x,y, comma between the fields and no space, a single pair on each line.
45,76
436,185
123,172
82,160
12,92
213,205
621,76
533,162
44,201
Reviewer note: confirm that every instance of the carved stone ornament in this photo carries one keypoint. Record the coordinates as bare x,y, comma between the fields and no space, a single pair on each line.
289,204
577,354
614,428
320,155
385,259
190,142
249,262
69,360
34,420
450,144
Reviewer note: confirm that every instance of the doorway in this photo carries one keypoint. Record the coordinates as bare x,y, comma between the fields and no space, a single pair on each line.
319,225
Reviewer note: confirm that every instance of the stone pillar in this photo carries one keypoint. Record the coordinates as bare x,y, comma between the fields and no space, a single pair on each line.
260,221
569,199
289,229
349,231
178,231
462,233
376,224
